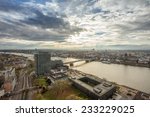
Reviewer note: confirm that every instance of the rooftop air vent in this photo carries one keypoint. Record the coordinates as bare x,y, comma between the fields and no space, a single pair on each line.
97,90
107,85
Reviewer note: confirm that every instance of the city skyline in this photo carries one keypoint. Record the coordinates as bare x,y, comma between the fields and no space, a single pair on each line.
75,24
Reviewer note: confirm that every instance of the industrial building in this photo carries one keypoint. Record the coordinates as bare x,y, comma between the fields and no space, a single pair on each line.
95,88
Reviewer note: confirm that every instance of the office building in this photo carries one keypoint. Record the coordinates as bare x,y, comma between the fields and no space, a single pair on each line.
95,88
42,60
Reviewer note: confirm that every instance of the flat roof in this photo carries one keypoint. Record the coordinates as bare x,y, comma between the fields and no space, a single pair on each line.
103,86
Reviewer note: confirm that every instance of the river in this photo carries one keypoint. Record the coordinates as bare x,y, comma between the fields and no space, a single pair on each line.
134,77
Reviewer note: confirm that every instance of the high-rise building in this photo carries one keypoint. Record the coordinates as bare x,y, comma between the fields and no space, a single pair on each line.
42,60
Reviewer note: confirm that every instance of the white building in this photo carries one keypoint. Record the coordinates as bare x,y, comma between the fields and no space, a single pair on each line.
2,92
10,78
10,74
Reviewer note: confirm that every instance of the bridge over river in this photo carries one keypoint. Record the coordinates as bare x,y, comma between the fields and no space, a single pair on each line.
72,62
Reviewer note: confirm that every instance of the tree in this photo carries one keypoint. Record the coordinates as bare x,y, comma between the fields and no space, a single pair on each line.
73,97
1,66
149,63
2,79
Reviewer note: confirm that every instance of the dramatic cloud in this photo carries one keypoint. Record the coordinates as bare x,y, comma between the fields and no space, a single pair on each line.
101,24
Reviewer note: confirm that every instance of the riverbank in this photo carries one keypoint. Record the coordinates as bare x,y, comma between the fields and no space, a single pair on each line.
129,63
125,62
122,92
131,76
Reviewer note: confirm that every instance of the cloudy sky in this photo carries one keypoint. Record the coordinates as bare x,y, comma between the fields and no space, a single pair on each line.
75,24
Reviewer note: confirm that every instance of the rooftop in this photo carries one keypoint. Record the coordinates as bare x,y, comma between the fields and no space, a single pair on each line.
97,87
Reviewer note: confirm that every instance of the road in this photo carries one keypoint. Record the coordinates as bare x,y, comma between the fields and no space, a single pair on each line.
23,82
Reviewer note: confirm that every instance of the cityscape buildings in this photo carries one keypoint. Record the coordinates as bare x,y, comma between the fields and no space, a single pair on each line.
75,49
25,76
